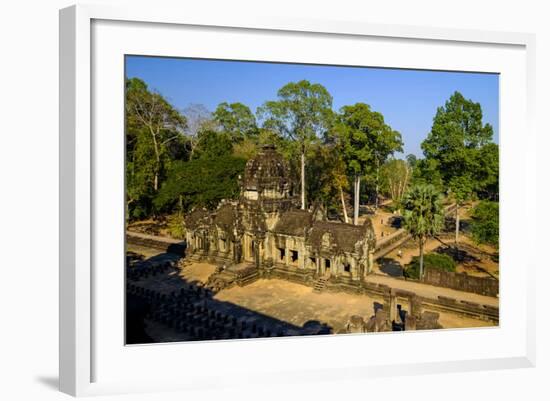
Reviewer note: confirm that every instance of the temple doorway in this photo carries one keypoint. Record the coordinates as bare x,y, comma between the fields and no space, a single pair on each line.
326,267
250,248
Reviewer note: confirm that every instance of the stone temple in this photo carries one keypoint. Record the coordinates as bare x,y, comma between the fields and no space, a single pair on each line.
265,234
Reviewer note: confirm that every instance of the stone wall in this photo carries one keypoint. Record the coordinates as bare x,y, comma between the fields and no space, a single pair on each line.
462,282
390,242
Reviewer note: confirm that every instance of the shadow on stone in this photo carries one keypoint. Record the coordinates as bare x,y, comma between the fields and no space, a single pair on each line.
162,306
391,267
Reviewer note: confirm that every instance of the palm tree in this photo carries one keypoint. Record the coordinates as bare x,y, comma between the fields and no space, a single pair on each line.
423,213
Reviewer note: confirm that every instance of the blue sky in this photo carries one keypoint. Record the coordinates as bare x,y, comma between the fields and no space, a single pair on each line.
408,99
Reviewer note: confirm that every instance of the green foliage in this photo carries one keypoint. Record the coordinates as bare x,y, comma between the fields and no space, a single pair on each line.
365,140
431,260
425,172
412,160
201,182
302,112
154,139
485,224
326,176
211,144
454,142
395,176
246,149
354,125
176,226
236,120
487,171
423,211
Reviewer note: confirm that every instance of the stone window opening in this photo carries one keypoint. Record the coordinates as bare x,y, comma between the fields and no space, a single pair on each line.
327,263
294,256
347,267
281,253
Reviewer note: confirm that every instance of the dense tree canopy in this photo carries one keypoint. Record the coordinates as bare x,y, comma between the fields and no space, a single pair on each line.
455,148
211,144
327,179
154,137
485,223
365,141
236,120
201,182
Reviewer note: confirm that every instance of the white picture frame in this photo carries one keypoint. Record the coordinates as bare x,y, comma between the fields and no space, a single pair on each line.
84,353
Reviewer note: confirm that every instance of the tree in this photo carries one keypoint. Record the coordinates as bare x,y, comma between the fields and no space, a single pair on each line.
201,182
365,141
423,216
412,160
453,146
199,118
327,178
487,171
485,224
235,119
395,177
303,113
148,112
385,142
212,144
426,171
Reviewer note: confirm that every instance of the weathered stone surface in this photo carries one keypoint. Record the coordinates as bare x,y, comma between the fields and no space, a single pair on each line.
264,228
356,324
461,281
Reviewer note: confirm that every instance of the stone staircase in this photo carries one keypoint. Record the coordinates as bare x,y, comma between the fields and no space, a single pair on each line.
320,284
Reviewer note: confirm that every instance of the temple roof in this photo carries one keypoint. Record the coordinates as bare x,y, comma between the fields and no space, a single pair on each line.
197,217
225,216
294,222
343,236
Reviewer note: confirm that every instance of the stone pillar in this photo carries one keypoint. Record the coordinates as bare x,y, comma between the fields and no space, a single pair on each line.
287,251
415,306
410,322
392,306
318,265
370,263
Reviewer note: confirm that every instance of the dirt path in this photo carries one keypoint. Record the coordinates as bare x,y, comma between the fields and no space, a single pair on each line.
298,304
430,291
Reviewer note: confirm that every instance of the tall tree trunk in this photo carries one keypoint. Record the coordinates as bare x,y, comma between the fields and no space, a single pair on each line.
457,228
346,220
157,157
421,270
303,176
376,189
357,186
